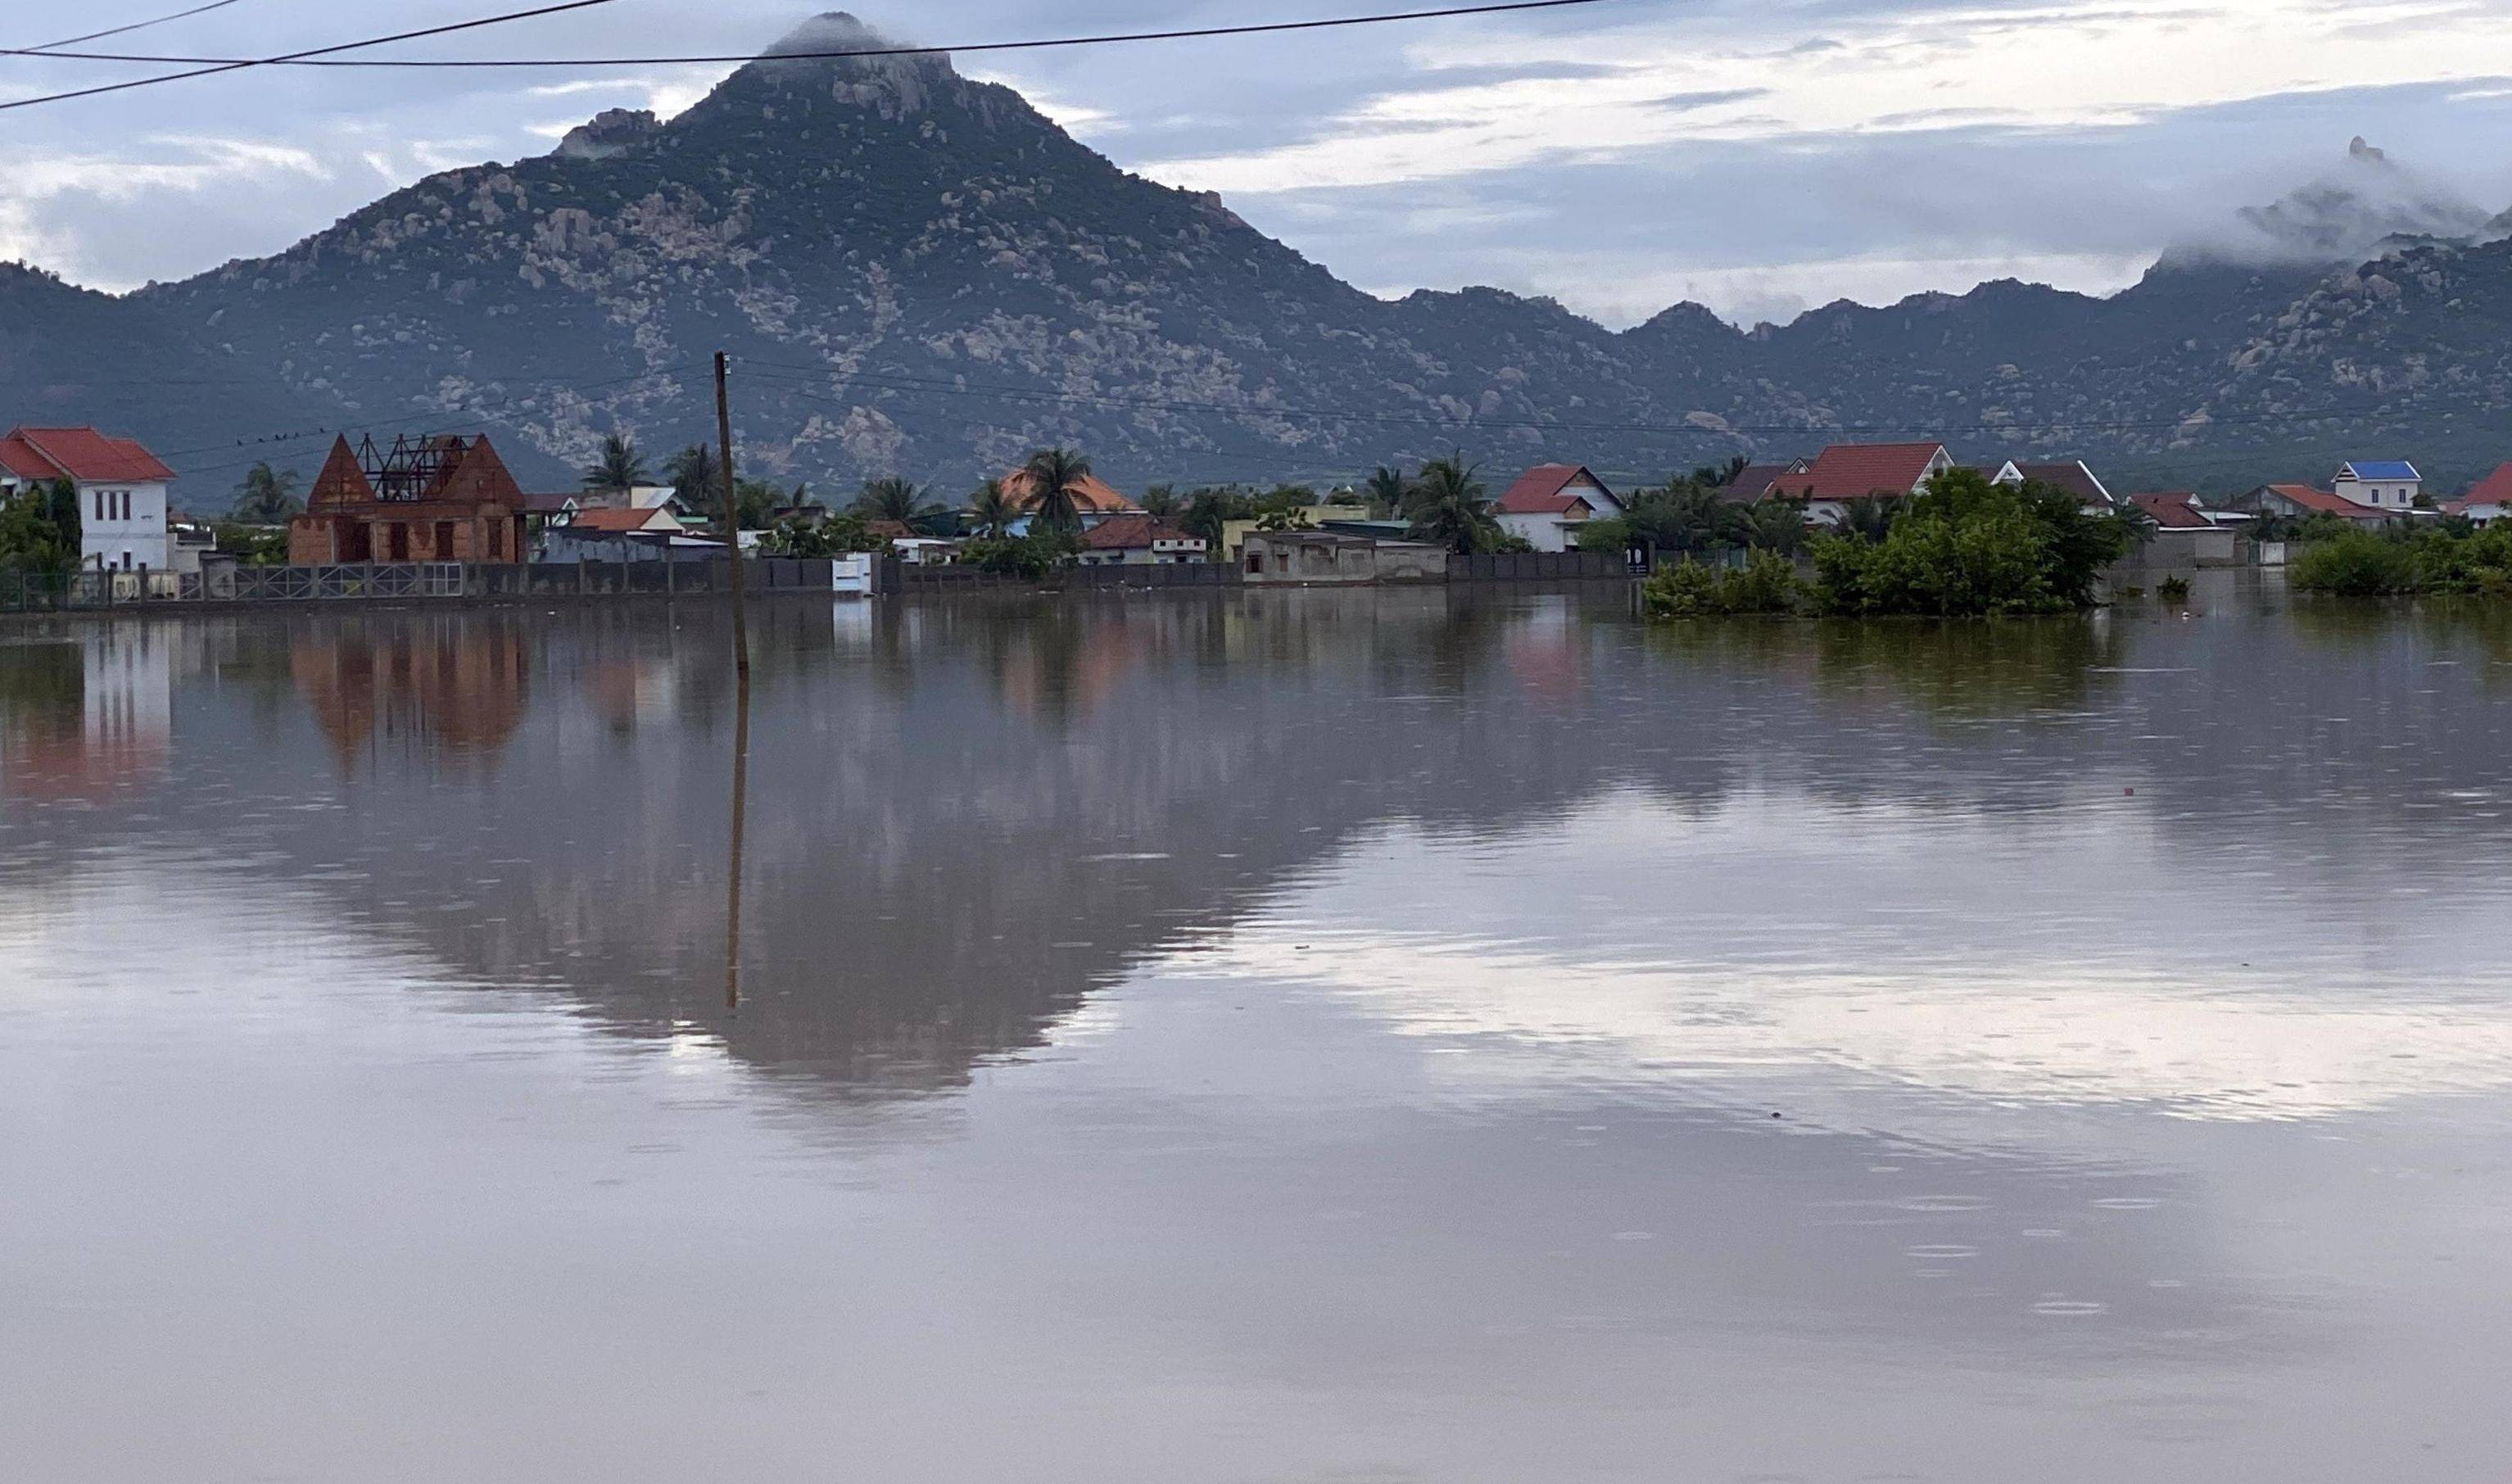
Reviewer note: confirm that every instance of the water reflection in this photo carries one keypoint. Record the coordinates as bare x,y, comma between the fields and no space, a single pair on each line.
1460,1033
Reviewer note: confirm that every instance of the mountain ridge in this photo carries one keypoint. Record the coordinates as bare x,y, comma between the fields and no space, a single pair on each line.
920,273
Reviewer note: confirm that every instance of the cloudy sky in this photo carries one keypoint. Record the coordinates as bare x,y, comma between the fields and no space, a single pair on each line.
1756,155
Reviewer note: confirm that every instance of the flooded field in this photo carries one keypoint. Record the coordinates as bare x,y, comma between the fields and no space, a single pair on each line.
1266,1037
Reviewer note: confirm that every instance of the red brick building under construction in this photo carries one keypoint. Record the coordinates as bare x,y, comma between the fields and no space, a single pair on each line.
442,498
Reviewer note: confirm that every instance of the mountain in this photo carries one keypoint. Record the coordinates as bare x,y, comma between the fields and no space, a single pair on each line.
917,273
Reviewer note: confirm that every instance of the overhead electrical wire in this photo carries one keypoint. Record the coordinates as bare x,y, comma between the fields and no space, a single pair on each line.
120,30
212,68
322,58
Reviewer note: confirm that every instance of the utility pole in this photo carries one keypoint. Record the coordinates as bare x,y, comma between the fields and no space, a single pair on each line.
731,517
742,693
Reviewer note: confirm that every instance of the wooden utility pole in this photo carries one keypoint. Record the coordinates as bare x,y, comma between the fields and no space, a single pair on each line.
742,692
731,517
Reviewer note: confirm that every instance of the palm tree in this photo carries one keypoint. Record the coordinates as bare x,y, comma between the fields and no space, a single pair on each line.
1055,474
892,498
1449,505
1774,525
991,510
620,466
1160,501
267,497
695,474
1869,518
1386,487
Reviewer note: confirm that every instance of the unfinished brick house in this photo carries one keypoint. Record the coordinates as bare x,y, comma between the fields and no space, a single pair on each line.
442,498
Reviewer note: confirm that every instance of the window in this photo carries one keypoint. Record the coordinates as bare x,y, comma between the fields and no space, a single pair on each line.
100,504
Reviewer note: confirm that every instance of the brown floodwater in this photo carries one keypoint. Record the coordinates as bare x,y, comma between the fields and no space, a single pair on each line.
1357,1036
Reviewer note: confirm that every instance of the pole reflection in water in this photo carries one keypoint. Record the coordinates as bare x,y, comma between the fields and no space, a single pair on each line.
1257,1035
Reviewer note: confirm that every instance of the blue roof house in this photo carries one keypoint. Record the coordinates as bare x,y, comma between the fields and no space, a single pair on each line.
2385,484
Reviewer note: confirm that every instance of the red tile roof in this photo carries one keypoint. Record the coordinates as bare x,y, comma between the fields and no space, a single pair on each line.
1092,495
2326,502
79,453
2172,509
1754,481
614,520
1846,471
1545,489
1127,533
2494,489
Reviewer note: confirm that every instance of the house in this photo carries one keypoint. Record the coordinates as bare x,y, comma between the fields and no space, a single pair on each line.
121,493
1272,558
1849,471
1754,482
626,520
2071,475
2488,500
554,507
1233,533
2384,483
439,499
2303,501
1092,497
1549,502
631,498
1138,540
2186,533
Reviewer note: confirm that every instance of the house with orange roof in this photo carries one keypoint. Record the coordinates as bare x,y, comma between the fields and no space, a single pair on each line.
1851,471
2301,501
1093,497
121,495
1549,502
625,519
2488,500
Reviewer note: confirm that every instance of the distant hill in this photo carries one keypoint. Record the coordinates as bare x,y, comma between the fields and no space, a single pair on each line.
918,273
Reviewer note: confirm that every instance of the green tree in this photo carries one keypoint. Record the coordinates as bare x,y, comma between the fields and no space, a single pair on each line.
266,497
1450,506
1386,488
31,538
991,510
1774,525
1965,546
619,467
695,474
1055,477
894,498
1210,510
1869,518
1160,501
801,534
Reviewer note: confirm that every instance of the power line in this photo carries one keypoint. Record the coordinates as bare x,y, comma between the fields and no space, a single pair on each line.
318,59
122,30
234,64
903,383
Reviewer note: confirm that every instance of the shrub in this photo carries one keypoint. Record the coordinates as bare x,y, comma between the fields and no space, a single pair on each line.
1767,583
1030,555
1968,547
2357,563
2172,590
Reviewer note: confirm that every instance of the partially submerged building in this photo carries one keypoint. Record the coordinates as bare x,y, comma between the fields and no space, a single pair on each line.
438,499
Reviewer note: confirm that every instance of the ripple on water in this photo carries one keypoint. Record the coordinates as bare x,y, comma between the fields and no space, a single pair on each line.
1941,1203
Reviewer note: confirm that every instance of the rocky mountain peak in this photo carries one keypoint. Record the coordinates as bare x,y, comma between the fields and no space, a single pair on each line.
611,132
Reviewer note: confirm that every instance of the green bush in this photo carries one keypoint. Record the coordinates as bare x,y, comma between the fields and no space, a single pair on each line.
1031,556
2357,563
2172,590
1767,583
1968,547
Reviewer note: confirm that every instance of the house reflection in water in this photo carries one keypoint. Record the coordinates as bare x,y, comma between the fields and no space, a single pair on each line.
88,718
453,685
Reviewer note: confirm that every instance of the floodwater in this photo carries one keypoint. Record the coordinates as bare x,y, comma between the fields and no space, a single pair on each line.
1258,1038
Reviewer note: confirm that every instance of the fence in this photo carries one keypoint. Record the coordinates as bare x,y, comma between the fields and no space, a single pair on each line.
1536,566
25,591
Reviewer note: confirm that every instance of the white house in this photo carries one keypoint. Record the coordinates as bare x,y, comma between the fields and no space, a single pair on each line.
121,493
1138,540
2487,501
2391,484
1549,502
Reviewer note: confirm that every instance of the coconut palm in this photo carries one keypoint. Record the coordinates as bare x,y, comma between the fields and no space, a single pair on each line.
1869,518
695,474
1054,474
1448,505
1773,526
1386,487
267,497
991,510
620,466
1160,501
892,498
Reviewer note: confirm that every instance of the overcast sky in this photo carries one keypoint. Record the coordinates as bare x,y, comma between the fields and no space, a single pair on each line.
1756,155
